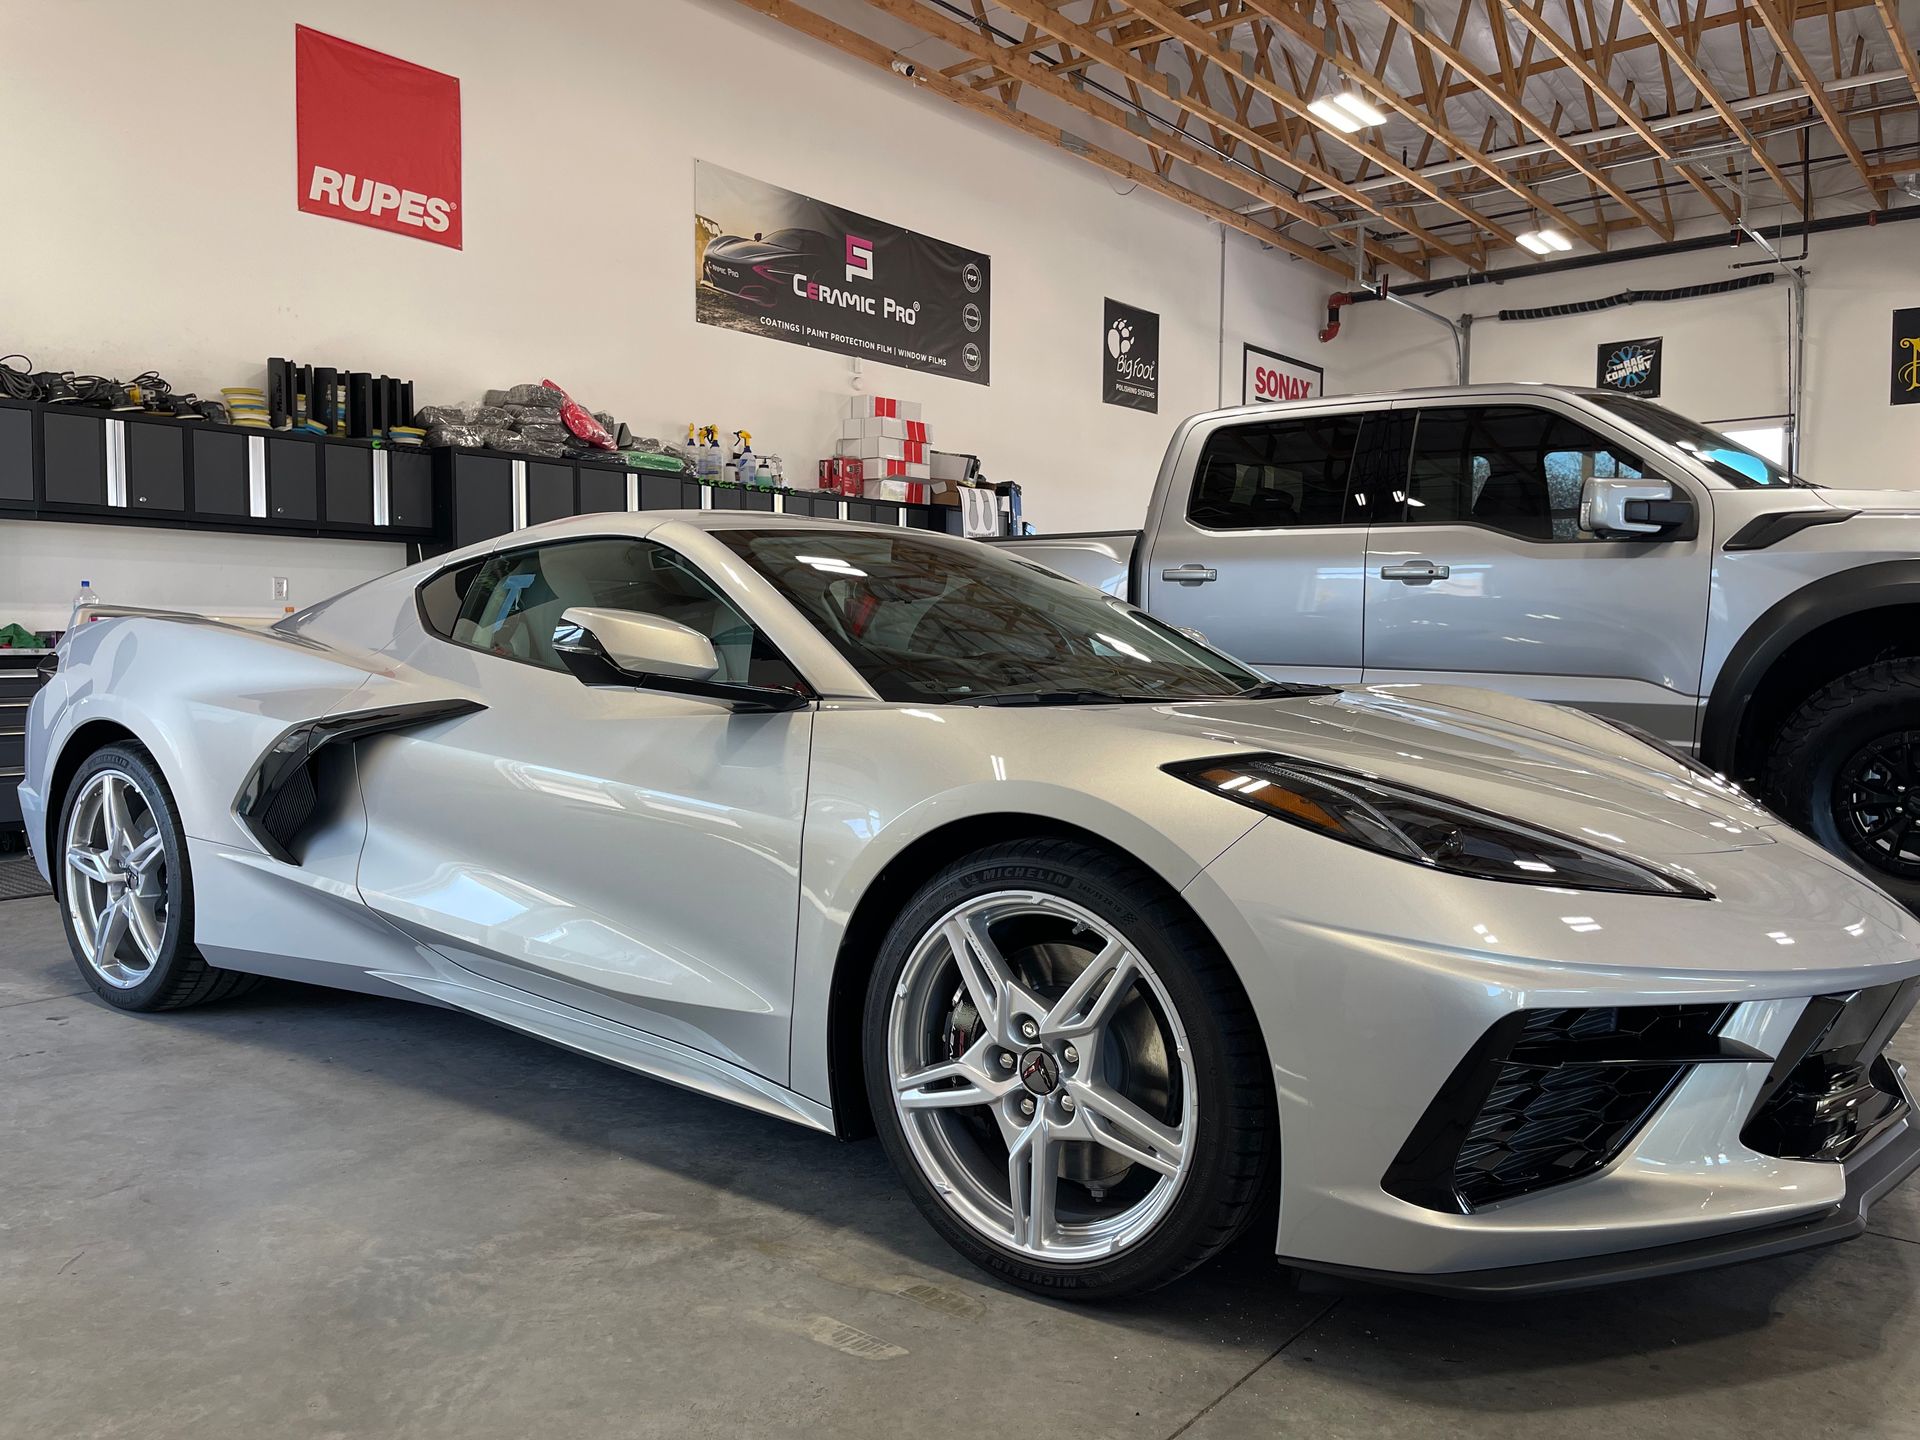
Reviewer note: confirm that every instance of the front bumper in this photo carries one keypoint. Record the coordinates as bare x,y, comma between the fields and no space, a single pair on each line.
1373,979
1893,1158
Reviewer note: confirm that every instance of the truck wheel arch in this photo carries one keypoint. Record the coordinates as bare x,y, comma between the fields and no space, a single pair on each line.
1799,644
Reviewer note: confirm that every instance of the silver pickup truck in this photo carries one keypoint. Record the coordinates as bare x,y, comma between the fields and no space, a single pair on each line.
1573,546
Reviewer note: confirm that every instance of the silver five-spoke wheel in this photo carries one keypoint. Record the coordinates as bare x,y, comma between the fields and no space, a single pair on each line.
1041,1077
116,880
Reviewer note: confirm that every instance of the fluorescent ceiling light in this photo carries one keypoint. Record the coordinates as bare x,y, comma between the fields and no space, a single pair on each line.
1334,115
1360,107
1543,241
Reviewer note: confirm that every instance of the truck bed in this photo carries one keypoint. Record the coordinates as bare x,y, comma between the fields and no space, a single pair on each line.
1105,559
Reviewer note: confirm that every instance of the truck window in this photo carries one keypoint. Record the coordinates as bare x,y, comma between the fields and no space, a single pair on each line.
1277,474
1513,468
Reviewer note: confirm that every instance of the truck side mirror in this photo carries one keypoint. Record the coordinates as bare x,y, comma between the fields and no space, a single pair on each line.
1621,509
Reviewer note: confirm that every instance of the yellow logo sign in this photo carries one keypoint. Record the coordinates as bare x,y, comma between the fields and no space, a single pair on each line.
1910,372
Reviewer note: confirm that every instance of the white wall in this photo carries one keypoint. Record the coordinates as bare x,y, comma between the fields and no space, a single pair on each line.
42,564
1726,356
160,230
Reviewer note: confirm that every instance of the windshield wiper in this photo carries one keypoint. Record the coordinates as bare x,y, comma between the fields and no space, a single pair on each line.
1051,697
1284,690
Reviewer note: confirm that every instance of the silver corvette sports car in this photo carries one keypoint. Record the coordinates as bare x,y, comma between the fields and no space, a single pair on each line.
1120,947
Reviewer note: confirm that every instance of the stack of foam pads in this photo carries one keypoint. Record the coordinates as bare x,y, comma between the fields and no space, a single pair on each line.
329,401
246,405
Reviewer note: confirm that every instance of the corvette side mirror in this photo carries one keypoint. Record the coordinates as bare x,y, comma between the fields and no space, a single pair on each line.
650,652
1621,509
635,643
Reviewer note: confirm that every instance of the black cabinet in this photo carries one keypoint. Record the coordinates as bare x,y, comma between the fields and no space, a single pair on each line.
293,479
602,489
550,491
219,474
727,498
410,489
16,454
480,497
821,506
346,485
666,492
156,466
74,455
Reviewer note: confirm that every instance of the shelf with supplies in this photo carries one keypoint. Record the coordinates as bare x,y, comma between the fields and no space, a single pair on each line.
20,677
486,493
67,462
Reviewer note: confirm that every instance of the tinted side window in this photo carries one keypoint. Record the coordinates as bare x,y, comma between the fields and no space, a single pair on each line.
1276,474
1510,467
510,603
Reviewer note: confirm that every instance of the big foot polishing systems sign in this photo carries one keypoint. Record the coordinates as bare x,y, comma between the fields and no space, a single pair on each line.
379,139
770,262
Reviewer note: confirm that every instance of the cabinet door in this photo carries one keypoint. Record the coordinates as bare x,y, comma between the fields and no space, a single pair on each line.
293,479
821,507
16,454
663,492
346,491
482,498
76,458
410,489
156,466
602,489
549,491
219,473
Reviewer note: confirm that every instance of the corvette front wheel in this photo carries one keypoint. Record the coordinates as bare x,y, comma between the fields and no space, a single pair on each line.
1065,1072
125,892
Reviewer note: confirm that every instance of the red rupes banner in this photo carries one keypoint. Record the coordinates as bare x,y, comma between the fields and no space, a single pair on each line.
378,139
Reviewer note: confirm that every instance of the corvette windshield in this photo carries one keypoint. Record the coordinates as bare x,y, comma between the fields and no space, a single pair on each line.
1728,458
956,621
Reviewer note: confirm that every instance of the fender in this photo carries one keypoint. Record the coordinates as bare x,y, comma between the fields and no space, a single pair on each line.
1766,639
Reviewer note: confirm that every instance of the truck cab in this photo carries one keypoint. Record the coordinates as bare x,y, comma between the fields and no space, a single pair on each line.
1572,546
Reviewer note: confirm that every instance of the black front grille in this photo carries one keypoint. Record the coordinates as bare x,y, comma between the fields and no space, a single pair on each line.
1547,1096
1832,1090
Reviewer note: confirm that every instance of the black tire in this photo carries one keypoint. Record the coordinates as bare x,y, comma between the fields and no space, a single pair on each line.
1815,768
1236,1148
180,976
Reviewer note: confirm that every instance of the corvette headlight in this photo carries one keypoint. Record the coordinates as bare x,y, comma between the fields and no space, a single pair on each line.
1423,829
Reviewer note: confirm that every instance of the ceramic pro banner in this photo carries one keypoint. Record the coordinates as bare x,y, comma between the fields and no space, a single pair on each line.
378,139
770,262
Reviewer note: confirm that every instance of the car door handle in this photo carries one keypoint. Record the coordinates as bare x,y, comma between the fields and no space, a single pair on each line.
1417,572
1190,574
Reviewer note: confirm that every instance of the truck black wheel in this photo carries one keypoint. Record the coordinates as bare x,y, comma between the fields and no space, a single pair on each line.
1846,769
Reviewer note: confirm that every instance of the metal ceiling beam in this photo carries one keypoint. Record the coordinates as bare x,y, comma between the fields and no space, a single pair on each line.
1678,53
849,42
1902,42
1435,126
1408,16
1241,66
1782,32
1090,44
1598,84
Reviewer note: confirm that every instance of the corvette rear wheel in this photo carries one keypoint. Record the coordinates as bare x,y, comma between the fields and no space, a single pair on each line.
124,889
1065,1072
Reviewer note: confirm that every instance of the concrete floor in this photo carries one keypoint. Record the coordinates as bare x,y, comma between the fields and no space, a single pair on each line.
310,1214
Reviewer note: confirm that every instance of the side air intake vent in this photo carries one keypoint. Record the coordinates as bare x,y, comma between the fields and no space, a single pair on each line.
1547,1096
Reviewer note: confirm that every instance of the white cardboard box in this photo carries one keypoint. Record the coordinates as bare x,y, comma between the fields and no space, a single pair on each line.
912,451
875,407
854,428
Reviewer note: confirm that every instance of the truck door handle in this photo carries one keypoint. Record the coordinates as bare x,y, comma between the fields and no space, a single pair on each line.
1417,572
1190,574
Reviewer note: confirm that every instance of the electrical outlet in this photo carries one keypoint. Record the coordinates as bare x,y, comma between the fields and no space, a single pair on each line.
279,587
